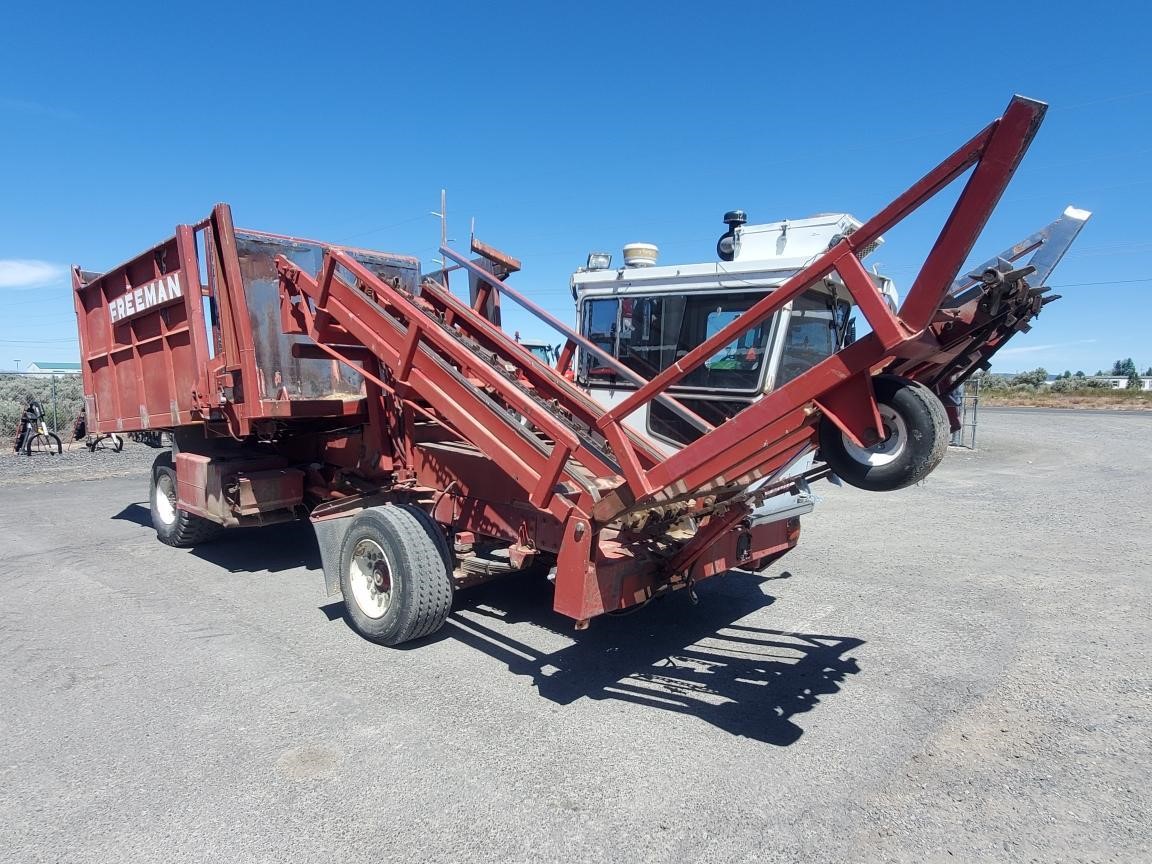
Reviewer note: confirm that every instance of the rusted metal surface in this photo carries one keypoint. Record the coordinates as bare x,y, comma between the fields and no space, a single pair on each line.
190,333
141,339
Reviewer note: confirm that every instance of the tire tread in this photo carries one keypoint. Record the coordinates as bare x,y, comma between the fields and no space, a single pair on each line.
432,589
189,529
923,456
424,564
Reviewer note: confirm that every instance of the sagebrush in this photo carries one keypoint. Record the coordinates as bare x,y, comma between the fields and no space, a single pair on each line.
16,390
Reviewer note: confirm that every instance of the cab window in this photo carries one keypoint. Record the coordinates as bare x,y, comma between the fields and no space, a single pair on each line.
648,334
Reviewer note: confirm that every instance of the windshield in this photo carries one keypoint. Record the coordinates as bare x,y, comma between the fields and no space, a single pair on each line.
545,353
648,334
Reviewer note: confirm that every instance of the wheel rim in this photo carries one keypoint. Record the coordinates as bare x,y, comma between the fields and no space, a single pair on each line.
888,450
164,499
371,578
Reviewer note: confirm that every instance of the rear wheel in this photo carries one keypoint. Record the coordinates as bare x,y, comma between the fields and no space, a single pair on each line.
394,575
174,526
915,438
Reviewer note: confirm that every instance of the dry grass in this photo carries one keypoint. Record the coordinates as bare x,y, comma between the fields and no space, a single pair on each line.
1116,400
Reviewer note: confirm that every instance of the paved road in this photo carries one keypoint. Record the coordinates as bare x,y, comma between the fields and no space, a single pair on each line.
955,672
1136,413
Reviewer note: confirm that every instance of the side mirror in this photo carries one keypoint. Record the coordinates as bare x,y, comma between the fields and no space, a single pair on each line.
850,332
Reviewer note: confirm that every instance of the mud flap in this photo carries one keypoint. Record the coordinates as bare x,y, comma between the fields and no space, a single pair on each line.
329,537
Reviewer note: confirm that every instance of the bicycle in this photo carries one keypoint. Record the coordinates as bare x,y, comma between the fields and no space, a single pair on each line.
34,436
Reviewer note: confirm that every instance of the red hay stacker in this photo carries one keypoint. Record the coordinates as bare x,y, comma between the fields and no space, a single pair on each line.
430,450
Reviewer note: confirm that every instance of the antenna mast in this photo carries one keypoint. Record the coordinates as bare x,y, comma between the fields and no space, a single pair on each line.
442,215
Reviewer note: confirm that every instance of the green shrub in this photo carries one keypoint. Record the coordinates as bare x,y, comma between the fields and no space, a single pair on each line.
1034,378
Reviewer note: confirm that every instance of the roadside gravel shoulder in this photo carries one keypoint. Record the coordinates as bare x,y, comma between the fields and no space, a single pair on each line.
76,463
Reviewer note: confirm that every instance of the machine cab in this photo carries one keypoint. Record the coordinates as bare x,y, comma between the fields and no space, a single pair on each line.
649,315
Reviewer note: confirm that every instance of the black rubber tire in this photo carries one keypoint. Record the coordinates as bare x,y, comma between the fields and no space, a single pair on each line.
117,442
51,439
926,441
419,568
186,529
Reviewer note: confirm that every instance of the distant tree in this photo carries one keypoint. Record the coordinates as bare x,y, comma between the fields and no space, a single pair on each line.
1134,382
1067,374
1148,372
1079,373
1033,379
1123,367
991,380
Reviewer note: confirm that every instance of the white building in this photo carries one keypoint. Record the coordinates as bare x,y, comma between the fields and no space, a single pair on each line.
1120,382
43,370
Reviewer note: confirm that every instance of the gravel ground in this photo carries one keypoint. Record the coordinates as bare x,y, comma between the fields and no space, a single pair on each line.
75,463
954,672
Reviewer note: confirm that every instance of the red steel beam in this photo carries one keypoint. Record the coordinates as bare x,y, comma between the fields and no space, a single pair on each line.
521,459
788,408
431,334
1000,145
548,382
998,160
549,319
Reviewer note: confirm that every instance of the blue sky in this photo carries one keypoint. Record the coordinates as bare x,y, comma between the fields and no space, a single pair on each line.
561,129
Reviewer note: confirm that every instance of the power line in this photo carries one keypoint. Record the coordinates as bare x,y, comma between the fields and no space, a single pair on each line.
1104,99
385,227
72,340
1107,282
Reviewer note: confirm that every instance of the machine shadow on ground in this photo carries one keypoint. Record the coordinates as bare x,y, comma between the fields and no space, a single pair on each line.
138,514
272,548
671,655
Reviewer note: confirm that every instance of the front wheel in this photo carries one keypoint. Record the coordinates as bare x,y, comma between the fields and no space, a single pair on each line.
394,575
915,438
